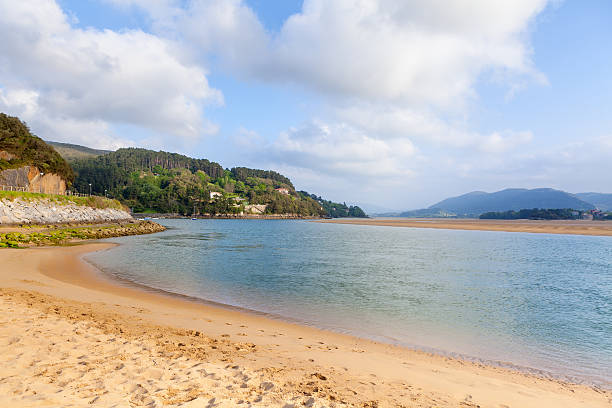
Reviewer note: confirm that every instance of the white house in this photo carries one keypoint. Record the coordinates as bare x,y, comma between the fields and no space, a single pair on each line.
283,191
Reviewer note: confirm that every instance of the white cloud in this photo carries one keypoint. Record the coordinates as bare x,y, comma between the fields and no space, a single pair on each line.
248,139
334,149
97,78
395,81
605,142
379,50
500,142
92,133
389,69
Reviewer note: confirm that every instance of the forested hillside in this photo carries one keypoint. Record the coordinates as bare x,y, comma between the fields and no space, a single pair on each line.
534,214
335,210
162,182
24,149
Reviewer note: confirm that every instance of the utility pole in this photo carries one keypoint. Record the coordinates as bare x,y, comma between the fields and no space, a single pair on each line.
90,189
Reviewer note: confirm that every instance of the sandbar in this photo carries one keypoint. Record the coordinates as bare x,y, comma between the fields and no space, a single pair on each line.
572,227
71,337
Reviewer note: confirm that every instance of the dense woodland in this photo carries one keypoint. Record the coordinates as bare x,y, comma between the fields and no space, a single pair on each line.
546,214
534,214
160,182
29,150
335,210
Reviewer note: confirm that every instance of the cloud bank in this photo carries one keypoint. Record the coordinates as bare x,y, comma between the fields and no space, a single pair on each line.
75,83
394,82
394,76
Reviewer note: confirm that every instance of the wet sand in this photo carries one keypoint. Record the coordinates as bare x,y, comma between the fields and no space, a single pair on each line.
578,227
69,337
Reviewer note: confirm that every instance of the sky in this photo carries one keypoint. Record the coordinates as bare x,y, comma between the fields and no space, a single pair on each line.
391,105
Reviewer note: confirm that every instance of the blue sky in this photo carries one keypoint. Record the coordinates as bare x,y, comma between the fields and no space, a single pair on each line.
572,48
387,104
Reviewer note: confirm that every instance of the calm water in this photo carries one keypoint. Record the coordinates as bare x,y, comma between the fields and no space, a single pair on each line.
537,300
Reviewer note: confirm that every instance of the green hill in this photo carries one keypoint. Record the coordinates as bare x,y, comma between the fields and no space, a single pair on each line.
26,149
72,152
162,182
336,210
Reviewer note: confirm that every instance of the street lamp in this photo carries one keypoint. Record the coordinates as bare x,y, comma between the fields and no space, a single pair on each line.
90,189
105,190
40,187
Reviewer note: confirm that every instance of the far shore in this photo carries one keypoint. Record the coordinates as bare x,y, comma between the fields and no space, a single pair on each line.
71,336
573,227
228,216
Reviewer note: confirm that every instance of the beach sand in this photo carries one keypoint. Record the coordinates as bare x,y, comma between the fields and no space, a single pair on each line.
577,227
69,337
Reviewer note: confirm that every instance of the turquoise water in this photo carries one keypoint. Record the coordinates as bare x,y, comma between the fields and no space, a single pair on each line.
539,301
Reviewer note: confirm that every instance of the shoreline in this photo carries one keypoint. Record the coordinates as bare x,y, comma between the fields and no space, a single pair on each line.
147,216
117,281
563,227
301,350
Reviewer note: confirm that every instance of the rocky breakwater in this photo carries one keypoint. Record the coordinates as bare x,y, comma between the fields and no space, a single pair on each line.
50,211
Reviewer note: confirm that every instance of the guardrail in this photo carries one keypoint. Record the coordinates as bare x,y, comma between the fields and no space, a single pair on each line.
27,190
12,188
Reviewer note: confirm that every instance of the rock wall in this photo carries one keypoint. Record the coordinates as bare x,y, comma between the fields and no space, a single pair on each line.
30,178
21,211
48,184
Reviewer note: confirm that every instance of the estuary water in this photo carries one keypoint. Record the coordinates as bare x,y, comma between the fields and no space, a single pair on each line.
537,301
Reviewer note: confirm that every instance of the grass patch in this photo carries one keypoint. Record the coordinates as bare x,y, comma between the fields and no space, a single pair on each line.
60,235
93,201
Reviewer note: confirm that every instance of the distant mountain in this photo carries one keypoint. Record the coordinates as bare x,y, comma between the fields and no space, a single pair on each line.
377,210
478,202
72,152
600,200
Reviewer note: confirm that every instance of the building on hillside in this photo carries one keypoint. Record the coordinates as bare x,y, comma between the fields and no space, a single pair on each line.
215,194
283,190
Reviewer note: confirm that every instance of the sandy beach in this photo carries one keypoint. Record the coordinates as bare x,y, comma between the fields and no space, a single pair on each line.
70,337
578,227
